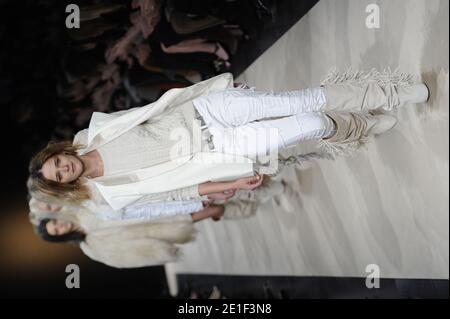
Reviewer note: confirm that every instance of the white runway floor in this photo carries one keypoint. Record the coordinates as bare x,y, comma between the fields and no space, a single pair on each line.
386,206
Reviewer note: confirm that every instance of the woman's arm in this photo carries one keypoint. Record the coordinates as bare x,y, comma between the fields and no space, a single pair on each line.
226,195
247,183
208,188
213,211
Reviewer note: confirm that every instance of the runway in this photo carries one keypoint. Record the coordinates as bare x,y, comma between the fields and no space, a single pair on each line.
389,204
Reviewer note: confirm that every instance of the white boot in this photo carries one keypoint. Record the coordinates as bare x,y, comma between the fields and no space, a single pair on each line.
380,123
366,91
353,129
417,93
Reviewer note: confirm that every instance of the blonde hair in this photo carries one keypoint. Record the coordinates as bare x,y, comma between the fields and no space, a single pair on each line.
74,192
68,212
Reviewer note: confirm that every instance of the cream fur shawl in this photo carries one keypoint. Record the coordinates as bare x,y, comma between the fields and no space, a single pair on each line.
124,244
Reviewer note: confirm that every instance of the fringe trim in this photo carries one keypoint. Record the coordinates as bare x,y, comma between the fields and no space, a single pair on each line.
239,210
356,77
301,159
343,148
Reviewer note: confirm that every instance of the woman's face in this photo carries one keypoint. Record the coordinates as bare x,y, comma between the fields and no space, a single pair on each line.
57,227
51,208
62,168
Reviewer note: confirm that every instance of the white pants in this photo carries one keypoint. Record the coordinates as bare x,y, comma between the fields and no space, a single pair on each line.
242,121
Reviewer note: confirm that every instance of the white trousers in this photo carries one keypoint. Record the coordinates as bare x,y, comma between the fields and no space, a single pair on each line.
251,123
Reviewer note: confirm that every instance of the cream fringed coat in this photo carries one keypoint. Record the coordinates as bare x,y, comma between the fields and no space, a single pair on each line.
194,167
124,244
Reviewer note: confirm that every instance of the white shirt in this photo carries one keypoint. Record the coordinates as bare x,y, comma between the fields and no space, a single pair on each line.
141,210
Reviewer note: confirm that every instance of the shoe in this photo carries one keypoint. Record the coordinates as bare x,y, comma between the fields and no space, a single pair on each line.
380,123
224,54
353,129
352,126
221,65
368,91
414,94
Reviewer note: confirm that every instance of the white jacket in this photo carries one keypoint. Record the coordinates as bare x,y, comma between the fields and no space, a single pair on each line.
124,189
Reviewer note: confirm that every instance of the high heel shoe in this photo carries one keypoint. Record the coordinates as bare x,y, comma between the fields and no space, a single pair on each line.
221,65
219,47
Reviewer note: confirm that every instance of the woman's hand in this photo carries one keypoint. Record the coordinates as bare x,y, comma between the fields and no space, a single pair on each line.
211,211
225,195
206,203
249,183
217,212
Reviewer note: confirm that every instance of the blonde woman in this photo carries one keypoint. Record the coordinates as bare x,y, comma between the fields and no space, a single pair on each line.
129,157
122,243
144,235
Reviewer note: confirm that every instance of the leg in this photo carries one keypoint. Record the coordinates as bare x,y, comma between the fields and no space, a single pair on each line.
360,91
196,45
236,107
260,138
189,46
353,129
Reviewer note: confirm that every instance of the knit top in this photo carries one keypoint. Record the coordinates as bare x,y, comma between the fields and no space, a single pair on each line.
145,145
149,144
